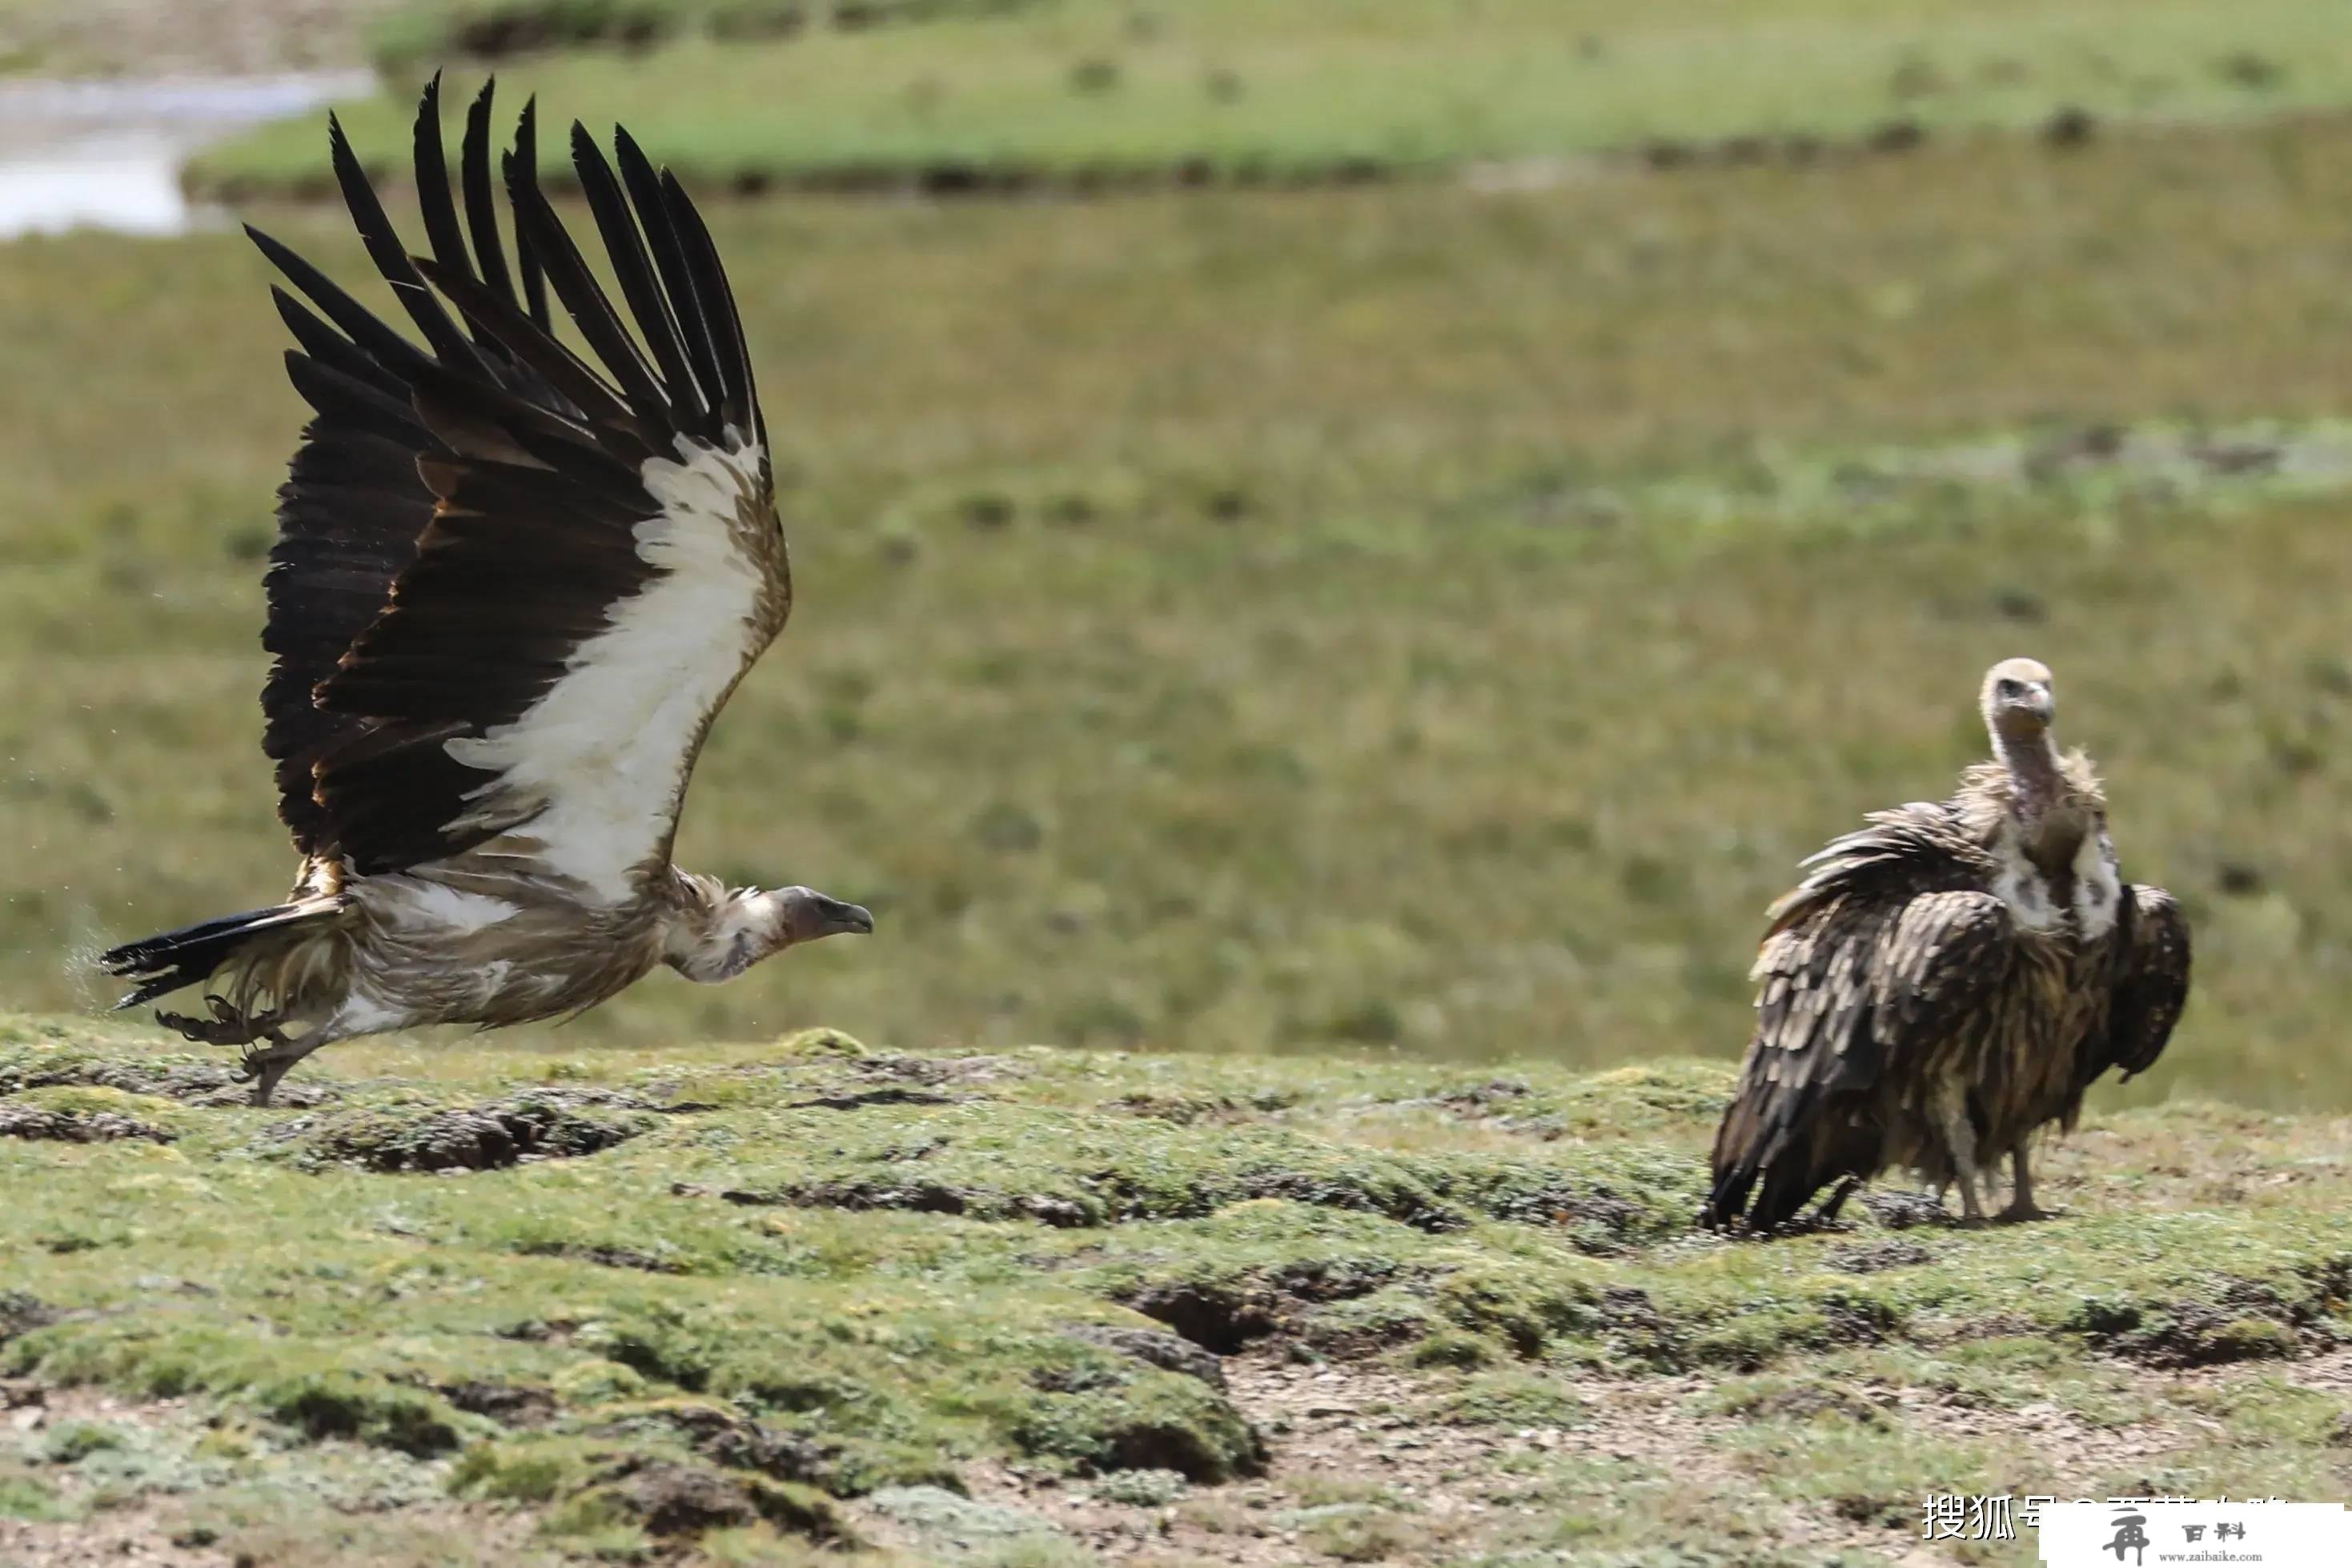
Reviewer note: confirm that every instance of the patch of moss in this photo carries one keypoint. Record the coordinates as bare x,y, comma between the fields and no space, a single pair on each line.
69,1442
1510,1397
30,1498
363,1409
1145,1420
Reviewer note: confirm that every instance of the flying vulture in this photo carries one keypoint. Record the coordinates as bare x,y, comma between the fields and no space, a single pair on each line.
512,587
1948,980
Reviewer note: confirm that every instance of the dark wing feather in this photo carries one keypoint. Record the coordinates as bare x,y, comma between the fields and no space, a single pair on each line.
481,205
384,247
635,269
521,168
1875,964
512,586
435,202
2151,985
352,507
348,519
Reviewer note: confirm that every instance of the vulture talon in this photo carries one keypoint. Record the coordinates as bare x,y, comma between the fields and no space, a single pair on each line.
215,1030
630,482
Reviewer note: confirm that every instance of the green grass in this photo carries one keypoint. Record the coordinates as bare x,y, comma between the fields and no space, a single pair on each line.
1410,617
535,1347
1309,89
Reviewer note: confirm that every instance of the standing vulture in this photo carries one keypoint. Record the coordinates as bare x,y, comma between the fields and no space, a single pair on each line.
511,591
1948,980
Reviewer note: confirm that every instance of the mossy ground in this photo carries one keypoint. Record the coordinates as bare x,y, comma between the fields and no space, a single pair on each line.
735,1301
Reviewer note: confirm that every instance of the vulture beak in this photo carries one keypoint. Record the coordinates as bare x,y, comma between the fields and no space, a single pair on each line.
2041,702
849,917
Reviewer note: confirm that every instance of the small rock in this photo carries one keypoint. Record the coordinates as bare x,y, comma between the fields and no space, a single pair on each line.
22,1314
508,1404
686,1499
1142,1488
1168,1352
76,1126
1870,1260
2070,127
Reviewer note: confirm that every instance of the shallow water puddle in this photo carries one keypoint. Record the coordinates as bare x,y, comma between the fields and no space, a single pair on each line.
107,154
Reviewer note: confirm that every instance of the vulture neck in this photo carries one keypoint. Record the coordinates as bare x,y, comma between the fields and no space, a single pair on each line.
2052,826
714,935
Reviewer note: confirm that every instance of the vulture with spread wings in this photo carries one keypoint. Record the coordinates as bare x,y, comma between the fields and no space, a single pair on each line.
511,589
1948,981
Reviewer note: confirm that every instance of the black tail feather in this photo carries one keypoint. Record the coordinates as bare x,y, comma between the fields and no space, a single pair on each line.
171,959
1763,1192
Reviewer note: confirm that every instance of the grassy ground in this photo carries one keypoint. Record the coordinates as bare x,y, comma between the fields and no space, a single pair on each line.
1240,89
178,37
762,1293
1416,616
1386,644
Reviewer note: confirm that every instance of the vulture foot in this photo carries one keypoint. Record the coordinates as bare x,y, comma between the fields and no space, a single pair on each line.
225,1026
2026,1213
265,1068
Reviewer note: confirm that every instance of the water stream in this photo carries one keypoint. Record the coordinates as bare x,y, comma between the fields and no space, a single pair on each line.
107,154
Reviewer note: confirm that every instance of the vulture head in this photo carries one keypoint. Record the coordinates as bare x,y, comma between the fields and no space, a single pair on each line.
750,926
803,914
2019,703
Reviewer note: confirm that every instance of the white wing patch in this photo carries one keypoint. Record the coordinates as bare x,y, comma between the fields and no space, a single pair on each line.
2099,886
415,904
605,748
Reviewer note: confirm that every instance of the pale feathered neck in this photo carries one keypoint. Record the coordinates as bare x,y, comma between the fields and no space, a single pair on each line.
1996,782
2036,784
2050,800
714,933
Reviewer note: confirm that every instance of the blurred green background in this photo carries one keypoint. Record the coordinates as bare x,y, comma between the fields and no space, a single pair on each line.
1387,525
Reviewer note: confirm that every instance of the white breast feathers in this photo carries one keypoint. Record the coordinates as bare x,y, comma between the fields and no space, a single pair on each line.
2018,883
2099,886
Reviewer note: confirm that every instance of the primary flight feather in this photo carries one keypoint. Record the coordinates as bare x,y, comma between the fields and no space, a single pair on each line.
511,589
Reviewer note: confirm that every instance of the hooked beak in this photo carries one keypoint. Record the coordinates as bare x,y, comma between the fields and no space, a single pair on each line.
2041,703
850,917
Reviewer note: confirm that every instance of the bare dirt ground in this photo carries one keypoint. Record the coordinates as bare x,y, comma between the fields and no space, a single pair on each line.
150,1532
153,1514
1345,1440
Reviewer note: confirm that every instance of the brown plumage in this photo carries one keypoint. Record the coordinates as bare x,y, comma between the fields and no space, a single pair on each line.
511,591
1947,981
